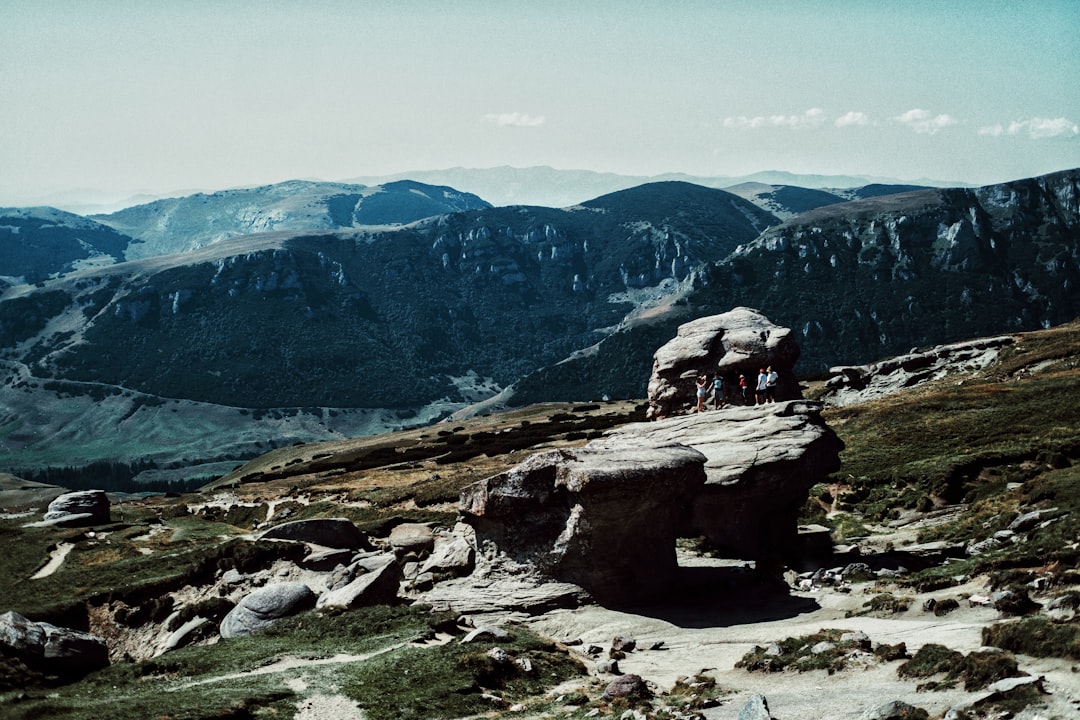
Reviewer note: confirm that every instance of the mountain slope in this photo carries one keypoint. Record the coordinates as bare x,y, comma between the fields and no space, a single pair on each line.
36,243
874,277
176,225
408,322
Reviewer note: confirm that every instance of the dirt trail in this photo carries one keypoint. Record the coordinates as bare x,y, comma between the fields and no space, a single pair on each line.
56,559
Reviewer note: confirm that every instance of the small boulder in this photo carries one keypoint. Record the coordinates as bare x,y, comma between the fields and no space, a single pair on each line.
756,708
630,686
895,710
266,605
328,532
454,554
85,507
417,538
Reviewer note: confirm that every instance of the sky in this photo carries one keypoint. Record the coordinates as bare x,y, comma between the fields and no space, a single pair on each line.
118,97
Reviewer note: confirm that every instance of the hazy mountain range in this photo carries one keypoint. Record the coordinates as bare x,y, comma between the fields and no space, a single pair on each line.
209,327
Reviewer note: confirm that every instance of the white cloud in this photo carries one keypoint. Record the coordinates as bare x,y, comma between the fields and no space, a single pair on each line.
515,119
852,119
810,118
924,122
1036,128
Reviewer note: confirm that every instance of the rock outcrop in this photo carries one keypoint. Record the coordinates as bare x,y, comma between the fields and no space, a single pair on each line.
73,509
328,532
49,649
860,383
740,341
760,463
602,518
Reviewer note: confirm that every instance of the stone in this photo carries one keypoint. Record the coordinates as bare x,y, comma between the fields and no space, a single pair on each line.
184,634
74,509
328,532
604,518
375,587
51,649
624,644
741,340
1013,602
895,710
608,667
760,464
264,606
1028,520
415,538
485,632
328,559
756,708
822,647
628,686
454,553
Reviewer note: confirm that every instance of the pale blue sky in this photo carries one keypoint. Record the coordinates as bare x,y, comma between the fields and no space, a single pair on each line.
125,97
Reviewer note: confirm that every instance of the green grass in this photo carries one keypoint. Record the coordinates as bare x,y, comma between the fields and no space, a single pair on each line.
976,670
1037,636
398,681
795,654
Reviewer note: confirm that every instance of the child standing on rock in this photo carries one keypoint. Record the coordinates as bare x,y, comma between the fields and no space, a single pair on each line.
701,382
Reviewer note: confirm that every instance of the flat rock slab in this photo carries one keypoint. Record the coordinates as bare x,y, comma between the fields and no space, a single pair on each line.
328,532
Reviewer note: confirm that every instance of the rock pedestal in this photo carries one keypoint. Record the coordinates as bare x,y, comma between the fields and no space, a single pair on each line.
73,509
603,519
740,341
760,465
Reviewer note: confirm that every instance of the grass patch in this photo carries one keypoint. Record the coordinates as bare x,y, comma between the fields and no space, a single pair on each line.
1036,636
885,604
976,670
798,653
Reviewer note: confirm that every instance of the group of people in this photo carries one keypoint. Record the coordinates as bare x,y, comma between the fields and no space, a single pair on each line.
764,390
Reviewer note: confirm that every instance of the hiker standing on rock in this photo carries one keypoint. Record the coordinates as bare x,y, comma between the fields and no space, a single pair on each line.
762,381
717,391
771,381
744,388
702,380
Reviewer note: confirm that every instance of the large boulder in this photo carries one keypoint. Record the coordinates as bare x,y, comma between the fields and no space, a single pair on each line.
740,341
760,464
85,507
603,519
328,532
265,606
49,649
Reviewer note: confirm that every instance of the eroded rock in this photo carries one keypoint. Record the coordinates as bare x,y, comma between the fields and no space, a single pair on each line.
328,532
73,509
266,605
50,649
740,341
599,517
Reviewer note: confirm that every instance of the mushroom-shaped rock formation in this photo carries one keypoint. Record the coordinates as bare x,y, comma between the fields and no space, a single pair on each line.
760,465
603,519
740,341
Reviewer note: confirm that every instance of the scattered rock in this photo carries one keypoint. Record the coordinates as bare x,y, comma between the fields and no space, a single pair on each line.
857,638
328,532
623,644
266,605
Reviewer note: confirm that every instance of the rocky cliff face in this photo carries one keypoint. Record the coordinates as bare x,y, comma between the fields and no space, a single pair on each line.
875,277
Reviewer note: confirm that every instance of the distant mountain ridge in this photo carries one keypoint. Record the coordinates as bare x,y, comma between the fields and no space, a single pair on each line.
180,224
302,333
550,187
